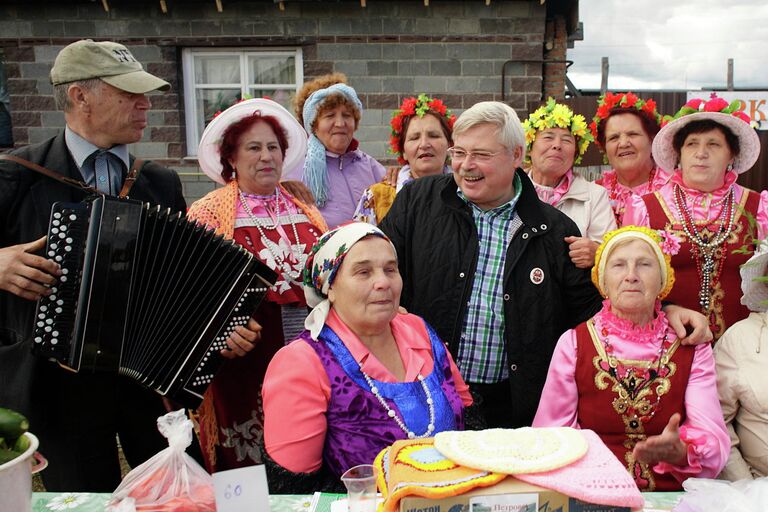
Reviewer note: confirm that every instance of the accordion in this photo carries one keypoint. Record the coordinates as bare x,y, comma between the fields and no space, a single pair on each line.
146,293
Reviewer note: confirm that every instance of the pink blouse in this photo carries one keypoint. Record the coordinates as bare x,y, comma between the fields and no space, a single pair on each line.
700,203
704,432
296,388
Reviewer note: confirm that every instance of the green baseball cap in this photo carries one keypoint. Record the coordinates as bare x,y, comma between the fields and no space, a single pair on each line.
112,62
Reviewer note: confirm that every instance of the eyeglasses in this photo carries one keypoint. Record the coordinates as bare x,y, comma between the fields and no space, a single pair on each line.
459,155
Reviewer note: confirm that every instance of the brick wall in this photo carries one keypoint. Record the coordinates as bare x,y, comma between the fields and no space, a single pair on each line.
389,50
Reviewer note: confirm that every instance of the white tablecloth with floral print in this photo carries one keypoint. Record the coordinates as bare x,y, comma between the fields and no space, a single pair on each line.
95,502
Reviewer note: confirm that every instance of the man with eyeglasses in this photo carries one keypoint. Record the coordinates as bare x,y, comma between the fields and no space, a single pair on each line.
486,264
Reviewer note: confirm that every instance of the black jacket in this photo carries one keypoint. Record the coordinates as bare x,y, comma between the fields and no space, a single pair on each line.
26,198
436,240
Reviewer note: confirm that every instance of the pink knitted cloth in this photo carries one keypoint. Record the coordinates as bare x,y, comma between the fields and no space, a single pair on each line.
598,478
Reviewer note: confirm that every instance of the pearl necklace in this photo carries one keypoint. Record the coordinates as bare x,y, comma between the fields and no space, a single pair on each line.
296,250
392,414
709,268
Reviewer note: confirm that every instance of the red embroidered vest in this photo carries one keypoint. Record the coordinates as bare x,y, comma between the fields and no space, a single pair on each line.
725,305
602,409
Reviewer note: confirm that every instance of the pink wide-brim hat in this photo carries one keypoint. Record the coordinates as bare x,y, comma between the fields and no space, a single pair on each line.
667,158
208,153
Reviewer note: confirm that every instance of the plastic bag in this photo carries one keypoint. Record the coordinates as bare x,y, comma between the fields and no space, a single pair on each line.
169,481
704,495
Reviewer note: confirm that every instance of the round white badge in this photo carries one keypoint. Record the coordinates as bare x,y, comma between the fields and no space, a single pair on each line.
537,276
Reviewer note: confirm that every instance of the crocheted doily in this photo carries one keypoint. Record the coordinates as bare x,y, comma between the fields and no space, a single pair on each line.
412,467
512,451
598,477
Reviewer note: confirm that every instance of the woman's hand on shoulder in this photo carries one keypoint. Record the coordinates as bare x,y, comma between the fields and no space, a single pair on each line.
298,190
690,326
242,340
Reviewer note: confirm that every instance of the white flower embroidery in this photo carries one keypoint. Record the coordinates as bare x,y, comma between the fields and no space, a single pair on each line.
246,439
68,500
289,267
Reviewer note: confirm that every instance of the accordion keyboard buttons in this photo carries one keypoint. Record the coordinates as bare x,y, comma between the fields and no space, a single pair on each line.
55,320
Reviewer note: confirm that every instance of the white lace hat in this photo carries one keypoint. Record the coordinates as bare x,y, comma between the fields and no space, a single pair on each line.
208,153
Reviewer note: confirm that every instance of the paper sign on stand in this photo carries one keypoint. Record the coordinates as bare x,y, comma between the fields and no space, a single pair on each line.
241,490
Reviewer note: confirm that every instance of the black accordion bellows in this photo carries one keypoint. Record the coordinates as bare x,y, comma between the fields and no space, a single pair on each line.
146,293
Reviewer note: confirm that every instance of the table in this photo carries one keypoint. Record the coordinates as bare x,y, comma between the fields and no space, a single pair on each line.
95,502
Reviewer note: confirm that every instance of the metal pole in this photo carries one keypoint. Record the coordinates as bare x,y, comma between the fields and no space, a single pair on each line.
604,80
730,74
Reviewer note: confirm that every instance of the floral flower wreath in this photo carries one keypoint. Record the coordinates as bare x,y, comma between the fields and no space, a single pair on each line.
415,106
664,243
715,104
557,115
623,100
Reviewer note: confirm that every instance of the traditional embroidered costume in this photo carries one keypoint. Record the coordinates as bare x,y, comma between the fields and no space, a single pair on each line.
280,230
625,381
341,404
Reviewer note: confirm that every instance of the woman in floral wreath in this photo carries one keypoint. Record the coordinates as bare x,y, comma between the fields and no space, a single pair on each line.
246,148
625,375
708,144
557,139
624,127
421,136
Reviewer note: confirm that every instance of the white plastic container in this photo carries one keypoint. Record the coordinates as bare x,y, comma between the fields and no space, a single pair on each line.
16,478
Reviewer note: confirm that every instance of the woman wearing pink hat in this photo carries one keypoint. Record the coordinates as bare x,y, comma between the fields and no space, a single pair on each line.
246,148
625,374
708,143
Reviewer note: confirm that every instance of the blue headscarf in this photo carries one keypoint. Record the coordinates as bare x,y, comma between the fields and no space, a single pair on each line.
315,170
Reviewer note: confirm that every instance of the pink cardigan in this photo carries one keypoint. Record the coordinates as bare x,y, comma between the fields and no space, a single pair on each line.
296,389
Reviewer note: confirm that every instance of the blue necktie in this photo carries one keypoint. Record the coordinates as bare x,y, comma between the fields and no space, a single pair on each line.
101,168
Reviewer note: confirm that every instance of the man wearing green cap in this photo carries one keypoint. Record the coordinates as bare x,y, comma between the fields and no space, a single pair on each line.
102,90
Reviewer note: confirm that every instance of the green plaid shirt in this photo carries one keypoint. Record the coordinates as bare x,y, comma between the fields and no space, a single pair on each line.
481,355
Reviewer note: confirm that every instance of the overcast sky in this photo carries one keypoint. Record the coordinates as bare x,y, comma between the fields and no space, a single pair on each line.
672,44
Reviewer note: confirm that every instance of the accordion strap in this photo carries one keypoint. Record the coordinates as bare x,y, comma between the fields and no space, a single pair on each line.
131,178
127,185
51,174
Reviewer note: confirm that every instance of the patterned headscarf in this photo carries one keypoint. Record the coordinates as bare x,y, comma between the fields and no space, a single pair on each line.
324,261
315,171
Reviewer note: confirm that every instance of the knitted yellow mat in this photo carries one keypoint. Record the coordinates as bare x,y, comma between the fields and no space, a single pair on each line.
512,451
413,467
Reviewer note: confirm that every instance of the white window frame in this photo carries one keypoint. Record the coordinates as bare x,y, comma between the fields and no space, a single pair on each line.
190,88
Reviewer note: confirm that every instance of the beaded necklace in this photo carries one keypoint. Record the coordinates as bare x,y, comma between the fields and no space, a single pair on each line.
618,196
392,414
631,386
704,250
297,249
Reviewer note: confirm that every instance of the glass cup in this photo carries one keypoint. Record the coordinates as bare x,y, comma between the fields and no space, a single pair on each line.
360,482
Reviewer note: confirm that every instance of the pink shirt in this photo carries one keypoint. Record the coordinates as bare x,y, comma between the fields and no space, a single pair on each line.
706,430
700,203
296,389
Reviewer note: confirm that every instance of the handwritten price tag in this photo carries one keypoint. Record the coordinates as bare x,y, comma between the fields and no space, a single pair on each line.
241,490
